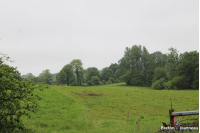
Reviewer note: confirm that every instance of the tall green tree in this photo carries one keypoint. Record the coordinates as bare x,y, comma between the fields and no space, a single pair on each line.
65,75
172,61
28,76
195,83
106,73
159,73
114,68
91,72
78,69
158,59
147,67
133,64
46,77
187,67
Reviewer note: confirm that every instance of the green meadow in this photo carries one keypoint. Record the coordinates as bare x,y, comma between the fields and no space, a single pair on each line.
113,108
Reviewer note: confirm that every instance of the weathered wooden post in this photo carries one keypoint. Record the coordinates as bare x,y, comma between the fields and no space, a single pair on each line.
138,126
171,117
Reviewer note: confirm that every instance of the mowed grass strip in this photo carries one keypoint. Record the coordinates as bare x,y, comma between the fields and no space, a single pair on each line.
109,108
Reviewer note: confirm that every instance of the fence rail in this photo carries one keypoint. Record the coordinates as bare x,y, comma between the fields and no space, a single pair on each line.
184,113
172,114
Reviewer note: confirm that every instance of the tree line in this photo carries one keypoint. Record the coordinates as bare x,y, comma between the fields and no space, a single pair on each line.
137,67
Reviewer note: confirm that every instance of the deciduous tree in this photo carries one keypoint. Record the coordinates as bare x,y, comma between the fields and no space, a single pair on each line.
65,76
16,99
92,71
78,69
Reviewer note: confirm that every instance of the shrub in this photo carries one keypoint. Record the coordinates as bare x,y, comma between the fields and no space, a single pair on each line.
111,80
117,81
180,82
158,84
169,85
89,83
103,82
95,80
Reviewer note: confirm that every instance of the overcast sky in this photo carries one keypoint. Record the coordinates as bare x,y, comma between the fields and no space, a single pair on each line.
48,34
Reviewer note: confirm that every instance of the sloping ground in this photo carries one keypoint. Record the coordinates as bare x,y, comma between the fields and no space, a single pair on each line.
108,108
58,113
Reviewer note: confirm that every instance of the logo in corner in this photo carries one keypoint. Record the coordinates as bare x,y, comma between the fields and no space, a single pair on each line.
177,123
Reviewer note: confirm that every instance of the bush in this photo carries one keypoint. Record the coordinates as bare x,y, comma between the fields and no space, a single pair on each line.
180,82
158,84
95,80
103,82
117,81
111,80
169,85
89,83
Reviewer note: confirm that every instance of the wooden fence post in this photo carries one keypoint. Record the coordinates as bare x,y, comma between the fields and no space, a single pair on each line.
171,117
138,126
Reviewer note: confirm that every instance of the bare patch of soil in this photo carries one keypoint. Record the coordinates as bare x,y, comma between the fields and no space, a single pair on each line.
87,94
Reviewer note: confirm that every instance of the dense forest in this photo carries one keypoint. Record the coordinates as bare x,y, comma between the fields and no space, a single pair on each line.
138,67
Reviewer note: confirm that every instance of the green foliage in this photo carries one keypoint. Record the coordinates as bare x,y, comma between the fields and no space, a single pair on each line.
89,83
188,67
158,59
46,77
16,99
159,73
78,69
103,82
127,77
28,76
180,82
117,81
106,73
159,84
111,80
136,66
115,73
195,83
65,76
95,80
172,61
92,71
169,85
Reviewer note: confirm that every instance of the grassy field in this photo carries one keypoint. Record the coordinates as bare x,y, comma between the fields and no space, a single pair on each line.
113,108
